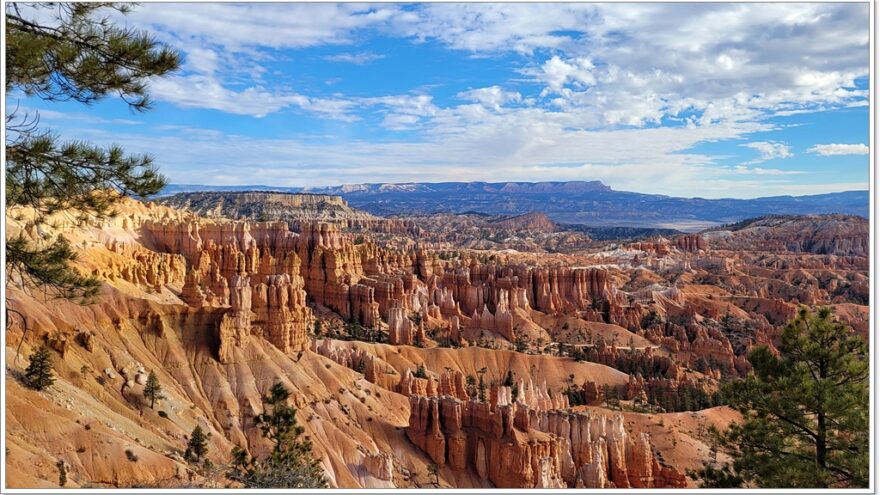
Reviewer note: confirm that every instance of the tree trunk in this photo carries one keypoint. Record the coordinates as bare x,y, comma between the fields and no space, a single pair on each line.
821,428
821,448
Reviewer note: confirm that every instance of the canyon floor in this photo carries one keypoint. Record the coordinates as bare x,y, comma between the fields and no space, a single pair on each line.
507,351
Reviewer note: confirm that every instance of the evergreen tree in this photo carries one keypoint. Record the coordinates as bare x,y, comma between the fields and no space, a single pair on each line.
197,446
611,397
711,477
434,470
361,366
63,52
62,472
686,399
805,411
38,374
421,371
481,386
153,389
508,379
606,393
471,385
290,464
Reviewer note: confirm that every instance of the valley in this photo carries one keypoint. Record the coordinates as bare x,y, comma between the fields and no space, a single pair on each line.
502,351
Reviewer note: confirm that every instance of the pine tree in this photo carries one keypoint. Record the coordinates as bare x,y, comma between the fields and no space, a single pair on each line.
38,374
722,477
197,446
508,379
471,385
290,464
421,371
434,470
481,386
64,52
62,472
611,397
805,411
153,389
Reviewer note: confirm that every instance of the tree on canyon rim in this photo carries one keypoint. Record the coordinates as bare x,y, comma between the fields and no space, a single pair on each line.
38,374
290,464
197,446
72,52
805,410
153,389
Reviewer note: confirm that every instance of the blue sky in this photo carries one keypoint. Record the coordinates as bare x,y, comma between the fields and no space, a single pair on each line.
711,100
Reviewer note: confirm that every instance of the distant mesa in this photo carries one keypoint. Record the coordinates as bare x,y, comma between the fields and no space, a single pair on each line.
529,221
589,203
294,208
840,235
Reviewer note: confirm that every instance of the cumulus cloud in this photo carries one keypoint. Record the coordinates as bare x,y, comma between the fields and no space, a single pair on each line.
557,73
492,97
629,64
768,150
522,27
839,149
606,80
721,61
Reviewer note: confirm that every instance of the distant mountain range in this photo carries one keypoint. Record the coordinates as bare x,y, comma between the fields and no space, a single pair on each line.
574,202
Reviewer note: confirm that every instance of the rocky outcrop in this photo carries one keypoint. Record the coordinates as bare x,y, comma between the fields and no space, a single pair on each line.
841,235
380,465
528,221
514,446
252,271
192,293
141,266
356,359
466,434
221,309
410,384
234,327
691,243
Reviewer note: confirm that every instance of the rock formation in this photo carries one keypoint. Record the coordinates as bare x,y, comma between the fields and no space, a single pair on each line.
222,308
514,446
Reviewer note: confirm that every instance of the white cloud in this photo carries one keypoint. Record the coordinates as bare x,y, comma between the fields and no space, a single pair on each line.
237,27
610,77
839,149
742,169
361,58
522,27
769,150
402,112
492,97
199,91
558,73
471,144
624,64
634,64
202,60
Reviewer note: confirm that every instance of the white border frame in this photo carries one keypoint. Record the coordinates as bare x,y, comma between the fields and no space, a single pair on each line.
872,272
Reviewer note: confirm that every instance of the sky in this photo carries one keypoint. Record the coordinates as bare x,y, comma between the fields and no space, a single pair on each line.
707,100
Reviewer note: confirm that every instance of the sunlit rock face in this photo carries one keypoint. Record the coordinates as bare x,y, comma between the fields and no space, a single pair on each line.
220,309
